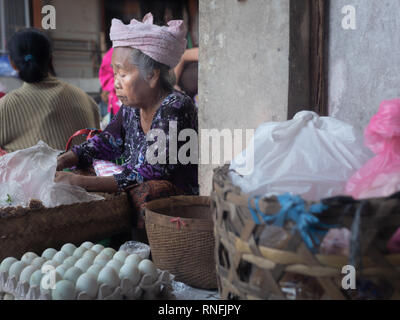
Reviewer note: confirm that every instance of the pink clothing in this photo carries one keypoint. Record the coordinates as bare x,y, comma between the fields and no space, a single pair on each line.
106,76
380,177
164,44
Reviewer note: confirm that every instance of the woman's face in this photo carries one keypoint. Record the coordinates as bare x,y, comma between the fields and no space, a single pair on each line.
131,88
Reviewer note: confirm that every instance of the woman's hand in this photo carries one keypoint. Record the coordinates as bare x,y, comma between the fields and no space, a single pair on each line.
68,177
67,160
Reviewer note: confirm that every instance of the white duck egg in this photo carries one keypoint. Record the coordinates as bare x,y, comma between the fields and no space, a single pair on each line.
72,274
71,260
48,279
115,264
35,278
120,256
8,296
87,283
94,270
78,253
61,269
109,252
133,259
109,277
83,264
68,248
26,274
28,257
130,272
38,262
97,248
87,245
52,263
103,257
64,290
147,267
49,253
6,264
90,255
16,269
60,257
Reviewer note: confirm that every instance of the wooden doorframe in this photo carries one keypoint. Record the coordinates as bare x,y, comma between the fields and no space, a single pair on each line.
308,56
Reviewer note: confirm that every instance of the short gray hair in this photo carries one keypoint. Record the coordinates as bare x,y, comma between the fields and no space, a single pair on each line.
146,65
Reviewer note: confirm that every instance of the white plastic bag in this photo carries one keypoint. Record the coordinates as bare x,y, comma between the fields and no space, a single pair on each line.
29,174
310,156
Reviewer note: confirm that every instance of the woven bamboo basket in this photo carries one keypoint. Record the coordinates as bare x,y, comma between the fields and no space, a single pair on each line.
181,237
37,229
250,267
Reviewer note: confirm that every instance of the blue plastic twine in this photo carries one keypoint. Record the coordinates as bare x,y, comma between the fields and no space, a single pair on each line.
294,208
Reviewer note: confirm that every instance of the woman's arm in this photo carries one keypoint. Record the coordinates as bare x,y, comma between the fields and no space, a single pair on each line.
90,183
188,56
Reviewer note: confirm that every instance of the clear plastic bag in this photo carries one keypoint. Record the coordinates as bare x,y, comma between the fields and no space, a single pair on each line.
310,156
29,174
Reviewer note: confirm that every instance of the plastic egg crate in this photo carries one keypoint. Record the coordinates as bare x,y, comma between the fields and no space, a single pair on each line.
75,268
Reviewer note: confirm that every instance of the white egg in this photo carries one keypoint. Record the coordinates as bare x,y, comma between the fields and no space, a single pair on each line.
6,264
61,269
68,248
16,269
49,253
35,278
87,245
28,257
26,274
66,265
78,253
71,260
60,256
38,262
133,259
87,283
64,290
97,248
83,264
90,254
130,272
8,296
94,270
103,257
115,264
120,256
53,263
109,252
147,267
49,279
108,276
72,274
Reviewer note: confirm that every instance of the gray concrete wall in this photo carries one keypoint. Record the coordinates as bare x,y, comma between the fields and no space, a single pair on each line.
364,64
243,66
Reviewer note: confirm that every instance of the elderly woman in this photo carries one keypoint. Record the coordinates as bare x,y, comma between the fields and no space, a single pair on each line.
143,57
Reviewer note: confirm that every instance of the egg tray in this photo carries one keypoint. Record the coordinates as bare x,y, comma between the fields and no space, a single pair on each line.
146,289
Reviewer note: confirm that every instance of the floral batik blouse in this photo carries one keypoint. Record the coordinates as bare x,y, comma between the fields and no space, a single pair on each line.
124,142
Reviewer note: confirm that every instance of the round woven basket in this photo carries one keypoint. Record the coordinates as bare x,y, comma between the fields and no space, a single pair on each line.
181,237
260,261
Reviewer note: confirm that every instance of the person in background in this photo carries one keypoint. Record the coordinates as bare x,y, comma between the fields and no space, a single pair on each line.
186,73
106,76
43,108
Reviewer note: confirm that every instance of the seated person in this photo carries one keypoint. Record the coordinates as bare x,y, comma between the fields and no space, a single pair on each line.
43,108
143,58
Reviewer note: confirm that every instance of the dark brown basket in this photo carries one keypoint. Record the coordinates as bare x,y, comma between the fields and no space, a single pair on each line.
181,237
37,229
249,270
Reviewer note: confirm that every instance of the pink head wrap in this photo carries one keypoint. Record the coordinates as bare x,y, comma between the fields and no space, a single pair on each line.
106,76
164,44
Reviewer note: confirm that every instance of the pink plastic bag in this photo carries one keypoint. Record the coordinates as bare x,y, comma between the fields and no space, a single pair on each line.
380,176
